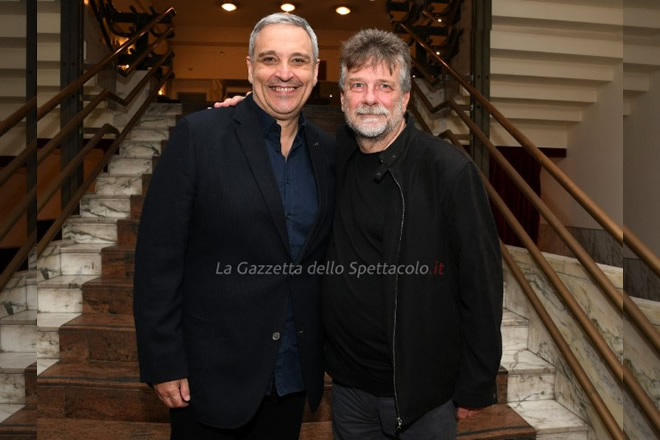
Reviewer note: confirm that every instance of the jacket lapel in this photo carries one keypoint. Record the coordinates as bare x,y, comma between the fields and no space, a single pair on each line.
316,158
252,142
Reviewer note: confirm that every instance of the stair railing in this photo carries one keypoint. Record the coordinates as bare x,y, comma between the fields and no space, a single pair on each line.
70,126
620,300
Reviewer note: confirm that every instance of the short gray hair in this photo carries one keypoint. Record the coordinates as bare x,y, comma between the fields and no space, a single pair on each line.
282,18
370,47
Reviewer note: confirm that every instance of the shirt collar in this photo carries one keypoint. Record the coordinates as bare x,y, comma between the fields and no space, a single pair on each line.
268,123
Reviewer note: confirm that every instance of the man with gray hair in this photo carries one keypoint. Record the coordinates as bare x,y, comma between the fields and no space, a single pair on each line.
239,208
413,322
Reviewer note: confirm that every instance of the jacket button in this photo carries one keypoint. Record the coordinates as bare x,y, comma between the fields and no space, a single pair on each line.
276,336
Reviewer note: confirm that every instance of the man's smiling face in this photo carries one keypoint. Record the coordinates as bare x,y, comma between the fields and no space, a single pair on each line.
282,71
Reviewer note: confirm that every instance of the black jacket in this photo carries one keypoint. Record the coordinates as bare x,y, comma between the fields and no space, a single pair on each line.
213,202
444,331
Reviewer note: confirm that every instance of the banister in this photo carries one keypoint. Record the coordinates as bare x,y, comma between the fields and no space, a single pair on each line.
18,259
146,52
587,203
620,300
75,198
73,86
70,126
620,371
73,164
17,116
640,249
587,385
17,162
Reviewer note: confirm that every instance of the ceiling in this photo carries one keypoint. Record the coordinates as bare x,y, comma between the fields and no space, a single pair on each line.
319,13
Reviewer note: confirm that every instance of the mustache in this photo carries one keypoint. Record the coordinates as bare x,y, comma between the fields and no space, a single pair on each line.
375,109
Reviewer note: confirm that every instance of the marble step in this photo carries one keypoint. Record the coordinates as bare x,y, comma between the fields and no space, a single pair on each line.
118,261
15,385
82,259
137,202
90,229
48,349
530,377
83,429
148,134
551,420
105,206
163,109
127,231
115,184
14,296
18,332
128,165
49,262
62,294
99,337
514,331
19,422
98,390
144,149
156,121
108,295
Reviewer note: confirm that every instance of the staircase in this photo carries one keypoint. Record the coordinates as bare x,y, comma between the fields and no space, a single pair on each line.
88,378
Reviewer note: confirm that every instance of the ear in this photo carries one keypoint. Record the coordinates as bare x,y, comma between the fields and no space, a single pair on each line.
341,98
406,99
316,72
249,68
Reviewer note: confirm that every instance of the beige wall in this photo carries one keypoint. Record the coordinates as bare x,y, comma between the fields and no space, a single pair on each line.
641,166
594,160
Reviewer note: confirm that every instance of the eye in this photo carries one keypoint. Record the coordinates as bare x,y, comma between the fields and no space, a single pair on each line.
269,60
386,86
357,86
299,60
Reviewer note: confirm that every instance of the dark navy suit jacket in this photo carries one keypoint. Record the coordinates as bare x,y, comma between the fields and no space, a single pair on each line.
212,205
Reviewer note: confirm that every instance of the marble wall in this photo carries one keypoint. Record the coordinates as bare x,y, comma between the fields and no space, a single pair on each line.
599,244
610,325
639,281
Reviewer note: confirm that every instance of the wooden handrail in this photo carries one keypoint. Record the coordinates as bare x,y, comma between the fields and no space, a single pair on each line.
592,394
640,249
620,371
17,162
147,51
70,126
73,164
75,198
18,259
580,196
73,86
10,121
587,385
103,95
616,297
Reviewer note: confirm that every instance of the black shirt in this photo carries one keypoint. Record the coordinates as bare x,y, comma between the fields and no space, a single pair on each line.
357,349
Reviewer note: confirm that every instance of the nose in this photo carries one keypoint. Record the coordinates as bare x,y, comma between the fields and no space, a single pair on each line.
369,95
284,72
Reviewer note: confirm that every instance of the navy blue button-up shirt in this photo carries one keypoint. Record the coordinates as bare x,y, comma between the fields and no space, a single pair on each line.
297,185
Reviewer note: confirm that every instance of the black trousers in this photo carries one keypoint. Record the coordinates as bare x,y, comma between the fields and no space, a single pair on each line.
277,418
